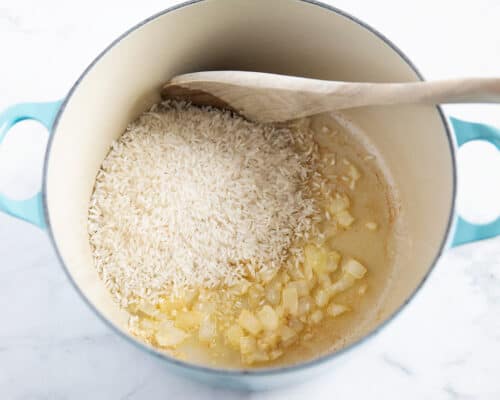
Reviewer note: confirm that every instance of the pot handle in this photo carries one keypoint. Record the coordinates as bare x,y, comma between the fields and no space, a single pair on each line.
30,210
466,232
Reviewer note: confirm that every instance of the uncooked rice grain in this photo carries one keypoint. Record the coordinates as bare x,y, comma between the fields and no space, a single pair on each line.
191,197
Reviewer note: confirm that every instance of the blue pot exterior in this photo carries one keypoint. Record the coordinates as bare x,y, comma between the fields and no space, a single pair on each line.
30,210
466,232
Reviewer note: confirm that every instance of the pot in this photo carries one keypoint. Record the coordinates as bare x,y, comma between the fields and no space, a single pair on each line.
304,38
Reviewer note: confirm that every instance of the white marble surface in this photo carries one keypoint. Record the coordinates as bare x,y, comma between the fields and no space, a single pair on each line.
445,345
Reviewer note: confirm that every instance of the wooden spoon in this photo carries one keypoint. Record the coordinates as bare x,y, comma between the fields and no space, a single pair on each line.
272,98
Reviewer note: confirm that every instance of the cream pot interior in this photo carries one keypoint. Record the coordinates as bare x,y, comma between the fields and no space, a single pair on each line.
282,36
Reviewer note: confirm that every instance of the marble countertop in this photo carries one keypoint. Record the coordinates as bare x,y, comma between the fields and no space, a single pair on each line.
445,345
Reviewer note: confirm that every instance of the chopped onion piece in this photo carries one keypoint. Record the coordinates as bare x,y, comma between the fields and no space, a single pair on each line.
335,310
333,260
316,317
208,329
339,203
248,344
345,219
169,336
355,268
316,258
321,297
287,334
148,309
290,300
249,322
233,335
268,318
344,283
188,319
301,286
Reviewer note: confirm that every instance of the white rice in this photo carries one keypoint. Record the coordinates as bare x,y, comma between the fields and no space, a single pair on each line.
193,197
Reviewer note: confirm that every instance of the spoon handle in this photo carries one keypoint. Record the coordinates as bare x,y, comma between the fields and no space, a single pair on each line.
465,90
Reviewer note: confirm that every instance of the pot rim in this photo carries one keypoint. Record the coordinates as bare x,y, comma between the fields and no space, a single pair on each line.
261,371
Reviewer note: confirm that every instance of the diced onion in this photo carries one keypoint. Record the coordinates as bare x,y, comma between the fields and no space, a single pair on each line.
290,300
355,268
345,219
316,258
339,203
233,335
248,344
208,329
344,283
316,317
336,309
249,322
268,318
170,336
321,297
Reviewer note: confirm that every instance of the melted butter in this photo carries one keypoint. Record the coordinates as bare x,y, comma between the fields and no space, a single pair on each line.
373,200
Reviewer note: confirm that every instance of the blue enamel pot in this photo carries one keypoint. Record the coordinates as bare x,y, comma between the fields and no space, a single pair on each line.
304,38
